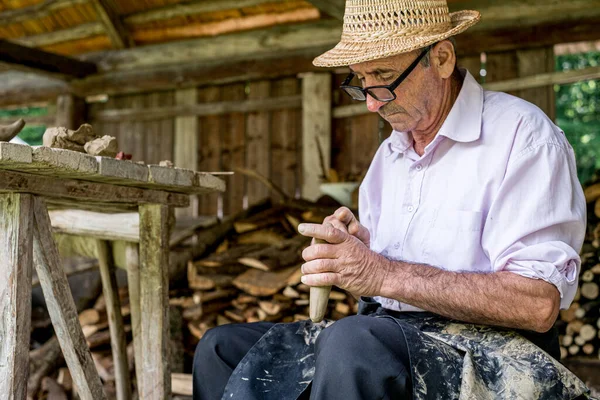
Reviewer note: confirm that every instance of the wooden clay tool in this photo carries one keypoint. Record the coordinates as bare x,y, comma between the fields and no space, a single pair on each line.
319,297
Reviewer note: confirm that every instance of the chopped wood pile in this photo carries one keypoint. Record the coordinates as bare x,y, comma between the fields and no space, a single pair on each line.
245,269
579,326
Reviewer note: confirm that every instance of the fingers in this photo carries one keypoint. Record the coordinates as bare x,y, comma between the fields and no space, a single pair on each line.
337,223
316,251
326,279
354,227
319,266
326,232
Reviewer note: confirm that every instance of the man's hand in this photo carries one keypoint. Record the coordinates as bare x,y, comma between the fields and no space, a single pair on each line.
344,261
344,220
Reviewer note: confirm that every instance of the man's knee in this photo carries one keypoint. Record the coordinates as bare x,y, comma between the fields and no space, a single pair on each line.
212,341
346,334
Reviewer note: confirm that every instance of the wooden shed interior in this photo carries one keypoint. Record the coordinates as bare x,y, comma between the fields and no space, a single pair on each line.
222,85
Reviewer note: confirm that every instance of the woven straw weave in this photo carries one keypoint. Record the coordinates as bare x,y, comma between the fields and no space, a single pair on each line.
375,29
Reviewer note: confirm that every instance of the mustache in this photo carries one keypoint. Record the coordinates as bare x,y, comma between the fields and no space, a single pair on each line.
390,109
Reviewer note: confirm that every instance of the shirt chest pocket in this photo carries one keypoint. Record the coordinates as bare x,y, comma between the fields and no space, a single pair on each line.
454,240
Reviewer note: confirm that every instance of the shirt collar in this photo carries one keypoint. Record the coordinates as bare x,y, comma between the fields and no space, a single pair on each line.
463,123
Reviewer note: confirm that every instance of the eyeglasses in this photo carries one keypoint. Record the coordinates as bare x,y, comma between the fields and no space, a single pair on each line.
384,93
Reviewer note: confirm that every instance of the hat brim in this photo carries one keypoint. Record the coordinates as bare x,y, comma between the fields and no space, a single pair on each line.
349,53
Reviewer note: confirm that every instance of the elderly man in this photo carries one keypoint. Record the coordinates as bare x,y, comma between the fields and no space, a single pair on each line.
471,211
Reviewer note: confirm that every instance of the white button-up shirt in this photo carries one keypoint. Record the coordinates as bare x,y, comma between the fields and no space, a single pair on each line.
496,190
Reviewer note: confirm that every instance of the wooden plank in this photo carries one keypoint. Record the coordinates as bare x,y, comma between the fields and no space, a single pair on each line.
123,226
187,9
118,342
533,62
109,15
186,142
335,8
83,31
285,136
199,110
15,288
70,111
38,11
501,66
552,78
132,261
233,147
154,289
316,131
44,62
77,191
258,142
210,147
61,308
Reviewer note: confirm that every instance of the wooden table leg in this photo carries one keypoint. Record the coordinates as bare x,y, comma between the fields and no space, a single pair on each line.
61,307
154,301
16,224
118,341
132,263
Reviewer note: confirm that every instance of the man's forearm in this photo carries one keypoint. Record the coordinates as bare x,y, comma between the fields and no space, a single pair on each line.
501,299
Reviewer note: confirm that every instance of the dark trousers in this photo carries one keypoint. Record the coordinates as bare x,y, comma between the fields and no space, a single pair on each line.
359,357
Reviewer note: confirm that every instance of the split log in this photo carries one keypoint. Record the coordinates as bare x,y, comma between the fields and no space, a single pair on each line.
261,283
275,257
43,362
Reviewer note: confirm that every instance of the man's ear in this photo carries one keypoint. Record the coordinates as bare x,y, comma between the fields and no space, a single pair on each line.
443,58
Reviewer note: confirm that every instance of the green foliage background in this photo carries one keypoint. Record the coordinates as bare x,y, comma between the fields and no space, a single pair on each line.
578,113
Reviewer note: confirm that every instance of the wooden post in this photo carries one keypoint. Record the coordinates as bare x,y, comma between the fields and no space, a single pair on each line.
16,225
118,341
186,143
133,284
61,307
533,62
70,111
154,290
316,128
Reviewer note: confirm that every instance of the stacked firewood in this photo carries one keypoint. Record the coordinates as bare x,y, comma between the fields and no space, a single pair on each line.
254,275
579,326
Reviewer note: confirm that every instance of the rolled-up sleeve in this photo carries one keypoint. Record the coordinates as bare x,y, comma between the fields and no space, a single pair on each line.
536,224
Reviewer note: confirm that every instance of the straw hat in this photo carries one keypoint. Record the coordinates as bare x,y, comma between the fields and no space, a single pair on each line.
375,29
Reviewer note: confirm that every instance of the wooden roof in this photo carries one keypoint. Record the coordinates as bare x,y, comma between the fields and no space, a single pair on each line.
138,45
72,27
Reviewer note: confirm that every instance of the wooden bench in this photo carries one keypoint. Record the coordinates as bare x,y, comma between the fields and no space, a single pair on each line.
35,179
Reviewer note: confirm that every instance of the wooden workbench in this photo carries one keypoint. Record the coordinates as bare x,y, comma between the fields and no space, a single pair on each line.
35,179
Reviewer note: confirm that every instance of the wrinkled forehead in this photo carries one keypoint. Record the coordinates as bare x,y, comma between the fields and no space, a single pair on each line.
394,63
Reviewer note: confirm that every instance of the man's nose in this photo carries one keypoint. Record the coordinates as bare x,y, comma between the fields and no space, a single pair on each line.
373,105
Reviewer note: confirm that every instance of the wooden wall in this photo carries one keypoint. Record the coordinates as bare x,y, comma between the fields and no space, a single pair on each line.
269,140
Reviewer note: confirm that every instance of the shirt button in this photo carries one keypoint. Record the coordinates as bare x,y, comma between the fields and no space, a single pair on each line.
419,167
411,209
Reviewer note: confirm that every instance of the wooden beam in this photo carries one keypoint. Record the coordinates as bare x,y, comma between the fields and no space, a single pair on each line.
70,111
44,62
76,32
540,80
576,48
230,25
335,8
122,226
188,110
37,11
316,132
276,41
154,300
62,308
118,341
108,14
189,8
16,257
185,146
78,191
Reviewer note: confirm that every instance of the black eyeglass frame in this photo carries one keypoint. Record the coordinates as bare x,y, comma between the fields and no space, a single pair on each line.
391,87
